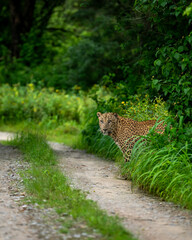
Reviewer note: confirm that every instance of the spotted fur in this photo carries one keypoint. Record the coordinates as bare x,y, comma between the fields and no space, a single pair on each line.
125,131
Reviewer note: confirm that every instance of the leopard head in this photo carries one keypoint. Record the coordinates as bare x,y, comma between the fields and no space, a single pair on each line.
108,123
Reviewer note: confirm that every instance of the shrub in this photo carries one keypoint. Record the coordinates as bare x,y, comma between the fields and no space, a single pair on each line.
42,105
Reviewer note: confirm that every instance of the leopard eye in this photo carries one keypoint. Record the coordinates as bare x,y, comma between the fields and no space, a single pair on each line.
109,121
101,121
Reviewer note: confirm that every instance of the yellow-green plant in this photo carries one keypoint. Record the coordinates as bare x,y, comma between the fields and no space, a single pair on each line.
141,109
21,103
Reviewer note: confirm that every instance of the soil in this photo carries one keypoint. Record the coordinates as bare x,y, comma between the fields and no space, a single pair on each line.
147,217
13,224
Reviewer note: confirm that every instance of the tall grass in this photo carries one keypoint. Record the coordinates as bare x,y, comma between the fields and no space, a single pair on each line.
166,172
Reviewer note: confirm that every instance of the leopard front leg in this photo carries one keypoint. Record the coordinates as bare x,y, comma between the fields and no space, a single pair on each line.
127,148
127,155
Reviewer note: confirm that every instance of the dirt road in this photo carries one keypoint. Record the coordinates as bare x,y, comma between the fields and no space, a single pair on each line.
147,217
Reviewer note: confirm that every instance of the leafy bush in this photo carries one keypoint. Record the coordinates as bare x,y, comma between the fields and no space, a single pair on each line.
143,108
169,52
172,75
28,103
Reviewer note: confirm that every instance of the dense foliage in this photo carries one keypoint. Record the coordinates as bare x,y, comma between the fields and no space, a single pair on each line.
42,106
143,46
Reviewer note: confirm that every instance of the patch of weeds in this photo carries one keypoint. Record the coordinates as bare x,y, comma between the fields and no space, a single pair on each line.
66,225
35,147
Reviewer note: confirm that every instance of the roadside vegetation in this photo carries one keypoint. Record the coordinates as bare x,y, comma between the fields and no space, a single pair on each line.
74,58
48,187
163,167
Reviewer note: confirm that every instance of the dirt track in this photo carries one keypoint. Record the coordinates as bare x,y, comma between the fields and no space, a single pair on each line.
147,217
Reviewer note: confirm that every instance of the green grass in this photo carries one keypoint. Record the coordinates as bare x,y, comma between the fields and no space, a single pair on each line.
166,172
47,186
36,149
68,134
102,146
13,127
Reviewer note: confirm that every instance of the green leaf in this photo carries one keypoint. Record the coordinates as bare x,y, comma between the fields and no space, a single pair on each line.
183,66
180,49
177,13
188,111
177,55
188,10
190,39
155,81
163,4
157,62
186,90
166,91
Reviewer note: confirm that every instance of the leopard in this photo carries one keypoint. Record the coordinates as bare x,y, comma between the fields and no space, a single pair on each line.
125,131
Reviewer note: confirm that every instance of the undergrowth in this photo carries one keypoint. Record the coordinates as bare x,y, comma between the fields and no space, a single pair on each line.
47,106
163,166
48,186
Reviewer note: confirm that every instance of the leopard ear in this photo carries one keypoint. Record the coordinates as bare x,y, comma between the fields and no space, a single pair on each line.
98,114
115,114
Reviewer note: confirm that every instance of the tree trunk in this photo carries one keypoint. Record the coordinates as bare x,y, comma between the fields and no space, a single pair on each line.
21,13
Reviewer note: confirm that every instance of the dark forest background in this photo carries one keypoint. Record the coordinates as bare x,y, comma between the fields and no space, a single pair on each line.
135,46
